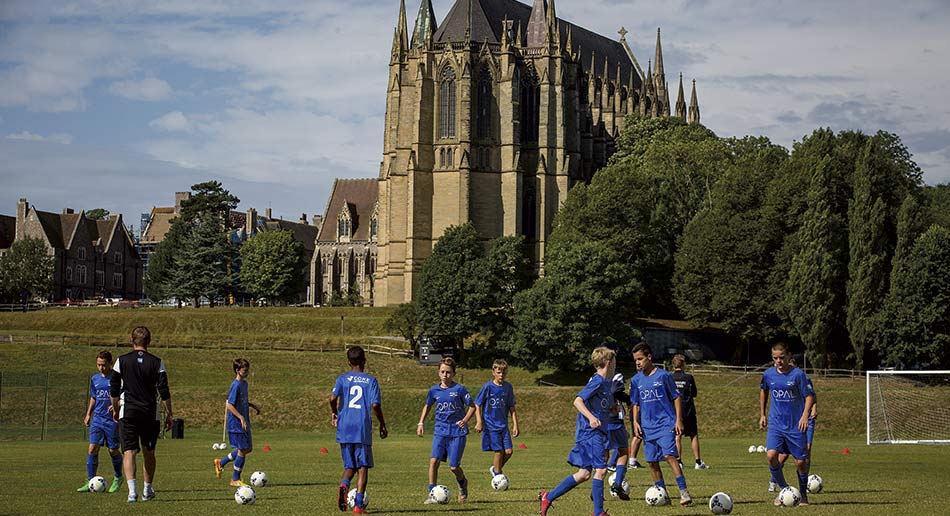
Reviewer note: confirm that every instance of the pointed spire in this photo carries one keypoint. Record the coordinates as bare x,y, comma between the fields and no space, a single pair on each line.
570,43
401,27
659,57
505,27
681,101
468,23
553,27
606,70
425,25
537,28
693,106
649,78
519,40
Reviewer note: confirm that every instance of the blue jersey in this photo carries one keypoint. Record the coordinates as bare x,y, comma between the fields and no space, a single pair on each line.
598,399
237,396
495,400
616,419
99,390
654,394
356,394
450,407
787,393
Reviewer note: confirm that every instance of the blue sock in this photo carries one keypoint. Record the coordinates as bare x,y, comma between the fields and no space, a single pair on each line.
461,481
359,499
681,482
566,485
597,493
621,474
238,466
430,487
778,476
117,465
803,483
660,483
613,458
345,482
228,458
92,464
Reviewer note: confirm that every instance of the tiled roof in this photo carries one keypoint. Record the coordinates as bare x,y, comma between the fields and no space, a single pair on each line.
7,231
160,221
106,229
69,221
361,195
303,233
52,226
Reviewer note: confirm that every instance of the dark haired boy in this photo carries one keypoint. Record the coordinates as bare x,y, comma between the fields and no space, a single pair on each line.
359,393
239,423
103,430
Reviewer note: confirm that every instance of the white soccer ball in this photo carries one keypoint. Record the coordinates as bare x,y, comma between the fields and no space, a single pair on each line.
500,482
815,484
752,449
223,446
97,485
351,499
258,479
623,485
760,449
720,503
657,496
440,494
245,495
214,446
790,496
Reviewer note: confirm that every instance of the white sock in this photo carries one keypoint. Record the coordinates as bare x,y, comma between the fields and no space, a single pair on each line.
148,485
131,483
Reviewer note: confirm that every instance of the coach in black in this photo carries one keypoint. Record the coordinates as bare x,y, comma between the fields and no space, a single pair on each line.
136,378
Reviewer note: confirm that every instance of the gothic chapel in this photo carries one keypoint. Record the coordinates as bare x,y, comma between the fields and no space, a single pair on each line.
491,117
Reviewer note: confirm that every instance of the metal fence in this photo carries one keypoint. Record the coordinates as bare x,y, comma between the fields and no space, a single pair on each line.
40,406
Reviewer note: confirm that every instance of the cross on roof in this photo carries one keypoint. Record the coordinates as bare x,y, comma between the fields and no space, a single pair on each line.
623,33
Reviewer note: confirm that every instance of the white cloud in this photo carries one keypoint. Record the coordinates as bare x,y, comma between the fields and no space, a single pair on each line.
174,121
62,138
149,89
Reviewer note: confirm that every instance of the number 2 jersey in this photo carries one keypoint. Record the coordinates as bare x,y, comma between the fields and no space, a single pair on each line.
356,394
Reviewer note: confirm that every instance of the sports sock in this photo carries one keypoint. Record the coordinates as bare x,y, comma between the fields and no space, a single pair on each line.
461,481
147,487
359,499
614,455
778,476
597,493
660,483
345,482
131,483
238,466
803,483
621,474
566,485
699,461
92,465
681,482
430,487
117,465
228,458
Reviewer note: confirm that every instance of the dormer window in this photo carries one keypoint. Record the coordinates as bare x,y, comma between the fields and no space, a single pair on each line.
374,223
118,258
344,224
81,253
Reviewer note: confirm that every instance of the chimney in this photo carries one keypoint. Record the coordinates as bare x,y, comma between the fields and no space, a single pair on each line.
317,220
303,218
22,208
179,197
68,211
250,223
267,213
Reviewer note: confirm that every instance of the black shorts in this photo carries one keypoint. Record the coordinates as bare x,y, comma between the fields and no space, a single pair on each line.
135,429
689,425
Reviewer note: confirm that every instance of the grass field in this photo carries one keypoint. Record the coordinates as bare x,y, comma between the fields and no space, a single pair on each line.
40,477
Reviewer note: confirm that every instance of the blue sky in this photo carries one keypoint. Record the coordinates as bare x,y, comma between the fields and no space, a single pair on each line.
118,104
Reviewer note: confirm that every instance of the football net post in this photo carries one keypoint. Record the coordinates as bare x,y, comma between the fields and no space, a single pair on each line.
908,407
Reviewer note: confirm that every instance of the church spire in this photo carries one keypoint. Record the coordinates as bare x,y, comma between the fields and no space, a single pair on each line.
538,24
468,23
553,27
681,101
693,106
425,25
658,59
400,37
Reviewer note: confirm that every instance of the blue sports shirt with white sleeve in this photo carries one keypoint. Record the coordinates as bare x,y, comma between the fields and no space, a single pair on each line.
655,394
787,393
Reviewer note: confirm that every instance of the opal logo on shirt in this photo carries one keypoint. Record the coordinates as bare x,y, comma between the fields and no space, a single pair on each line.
782,395
496,402
650,394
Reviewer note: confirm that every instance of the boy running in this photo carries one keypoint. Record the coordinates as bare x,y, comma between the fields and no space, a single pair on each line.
593,404
494,402
239,423
359,392
103,430
657,418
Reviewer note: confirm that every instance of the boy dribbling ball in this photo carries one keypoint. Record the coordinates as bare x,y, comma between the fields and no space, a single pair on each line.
494,402
239,423
103,429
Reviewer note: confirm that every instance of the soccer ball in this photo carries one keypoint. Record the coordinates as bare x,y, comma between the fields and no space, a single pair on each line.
215,446
440,494
245,495
623,485
790,496
351,499
258,479
720,503
657,496
499,482
752,449
760,449
97,485
815,484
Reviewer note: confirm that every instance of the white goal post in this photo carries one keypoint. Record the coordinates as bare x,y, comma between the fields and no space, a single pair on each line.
908,407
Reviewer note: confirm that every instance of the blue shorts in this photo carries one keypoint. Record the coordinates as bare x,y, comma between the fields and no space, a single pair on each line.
791,442
590,453
619,438
810,433
240,440
496,440
449,447
356,455
658,445
104,433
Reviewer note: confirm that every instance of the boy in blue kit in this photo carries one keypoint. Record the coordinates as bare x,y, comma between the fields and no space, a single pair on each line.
657,418
103,430
495,401
619,437
357,393
593,405
451,426
239,423
792,397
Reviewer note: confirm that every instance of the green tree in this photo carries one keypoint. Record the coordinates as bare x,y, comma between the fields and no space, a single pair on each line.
159,281
916,315
508,268
26,269
453,285
402,321
97,214
938,202
272,265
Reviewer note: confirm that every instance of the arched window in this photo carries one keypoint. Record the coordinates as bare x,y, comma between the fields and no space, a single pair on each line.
484,100
530,106
450,158
447,104
441,158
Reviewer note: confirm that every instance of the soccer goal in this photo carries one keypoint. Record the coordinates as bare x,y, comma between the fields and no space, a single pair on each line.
908,407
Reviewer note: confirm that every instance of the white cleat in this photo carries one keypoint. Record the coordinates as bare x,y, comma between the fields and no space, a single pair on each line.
701,465
773,487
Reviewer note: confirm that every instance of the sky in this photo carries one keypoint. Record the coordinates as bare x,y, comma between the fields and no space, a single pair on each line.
117,104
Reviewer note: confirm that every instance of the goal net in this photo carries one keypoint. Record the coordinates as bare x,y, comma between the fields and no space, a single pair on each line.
908,407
